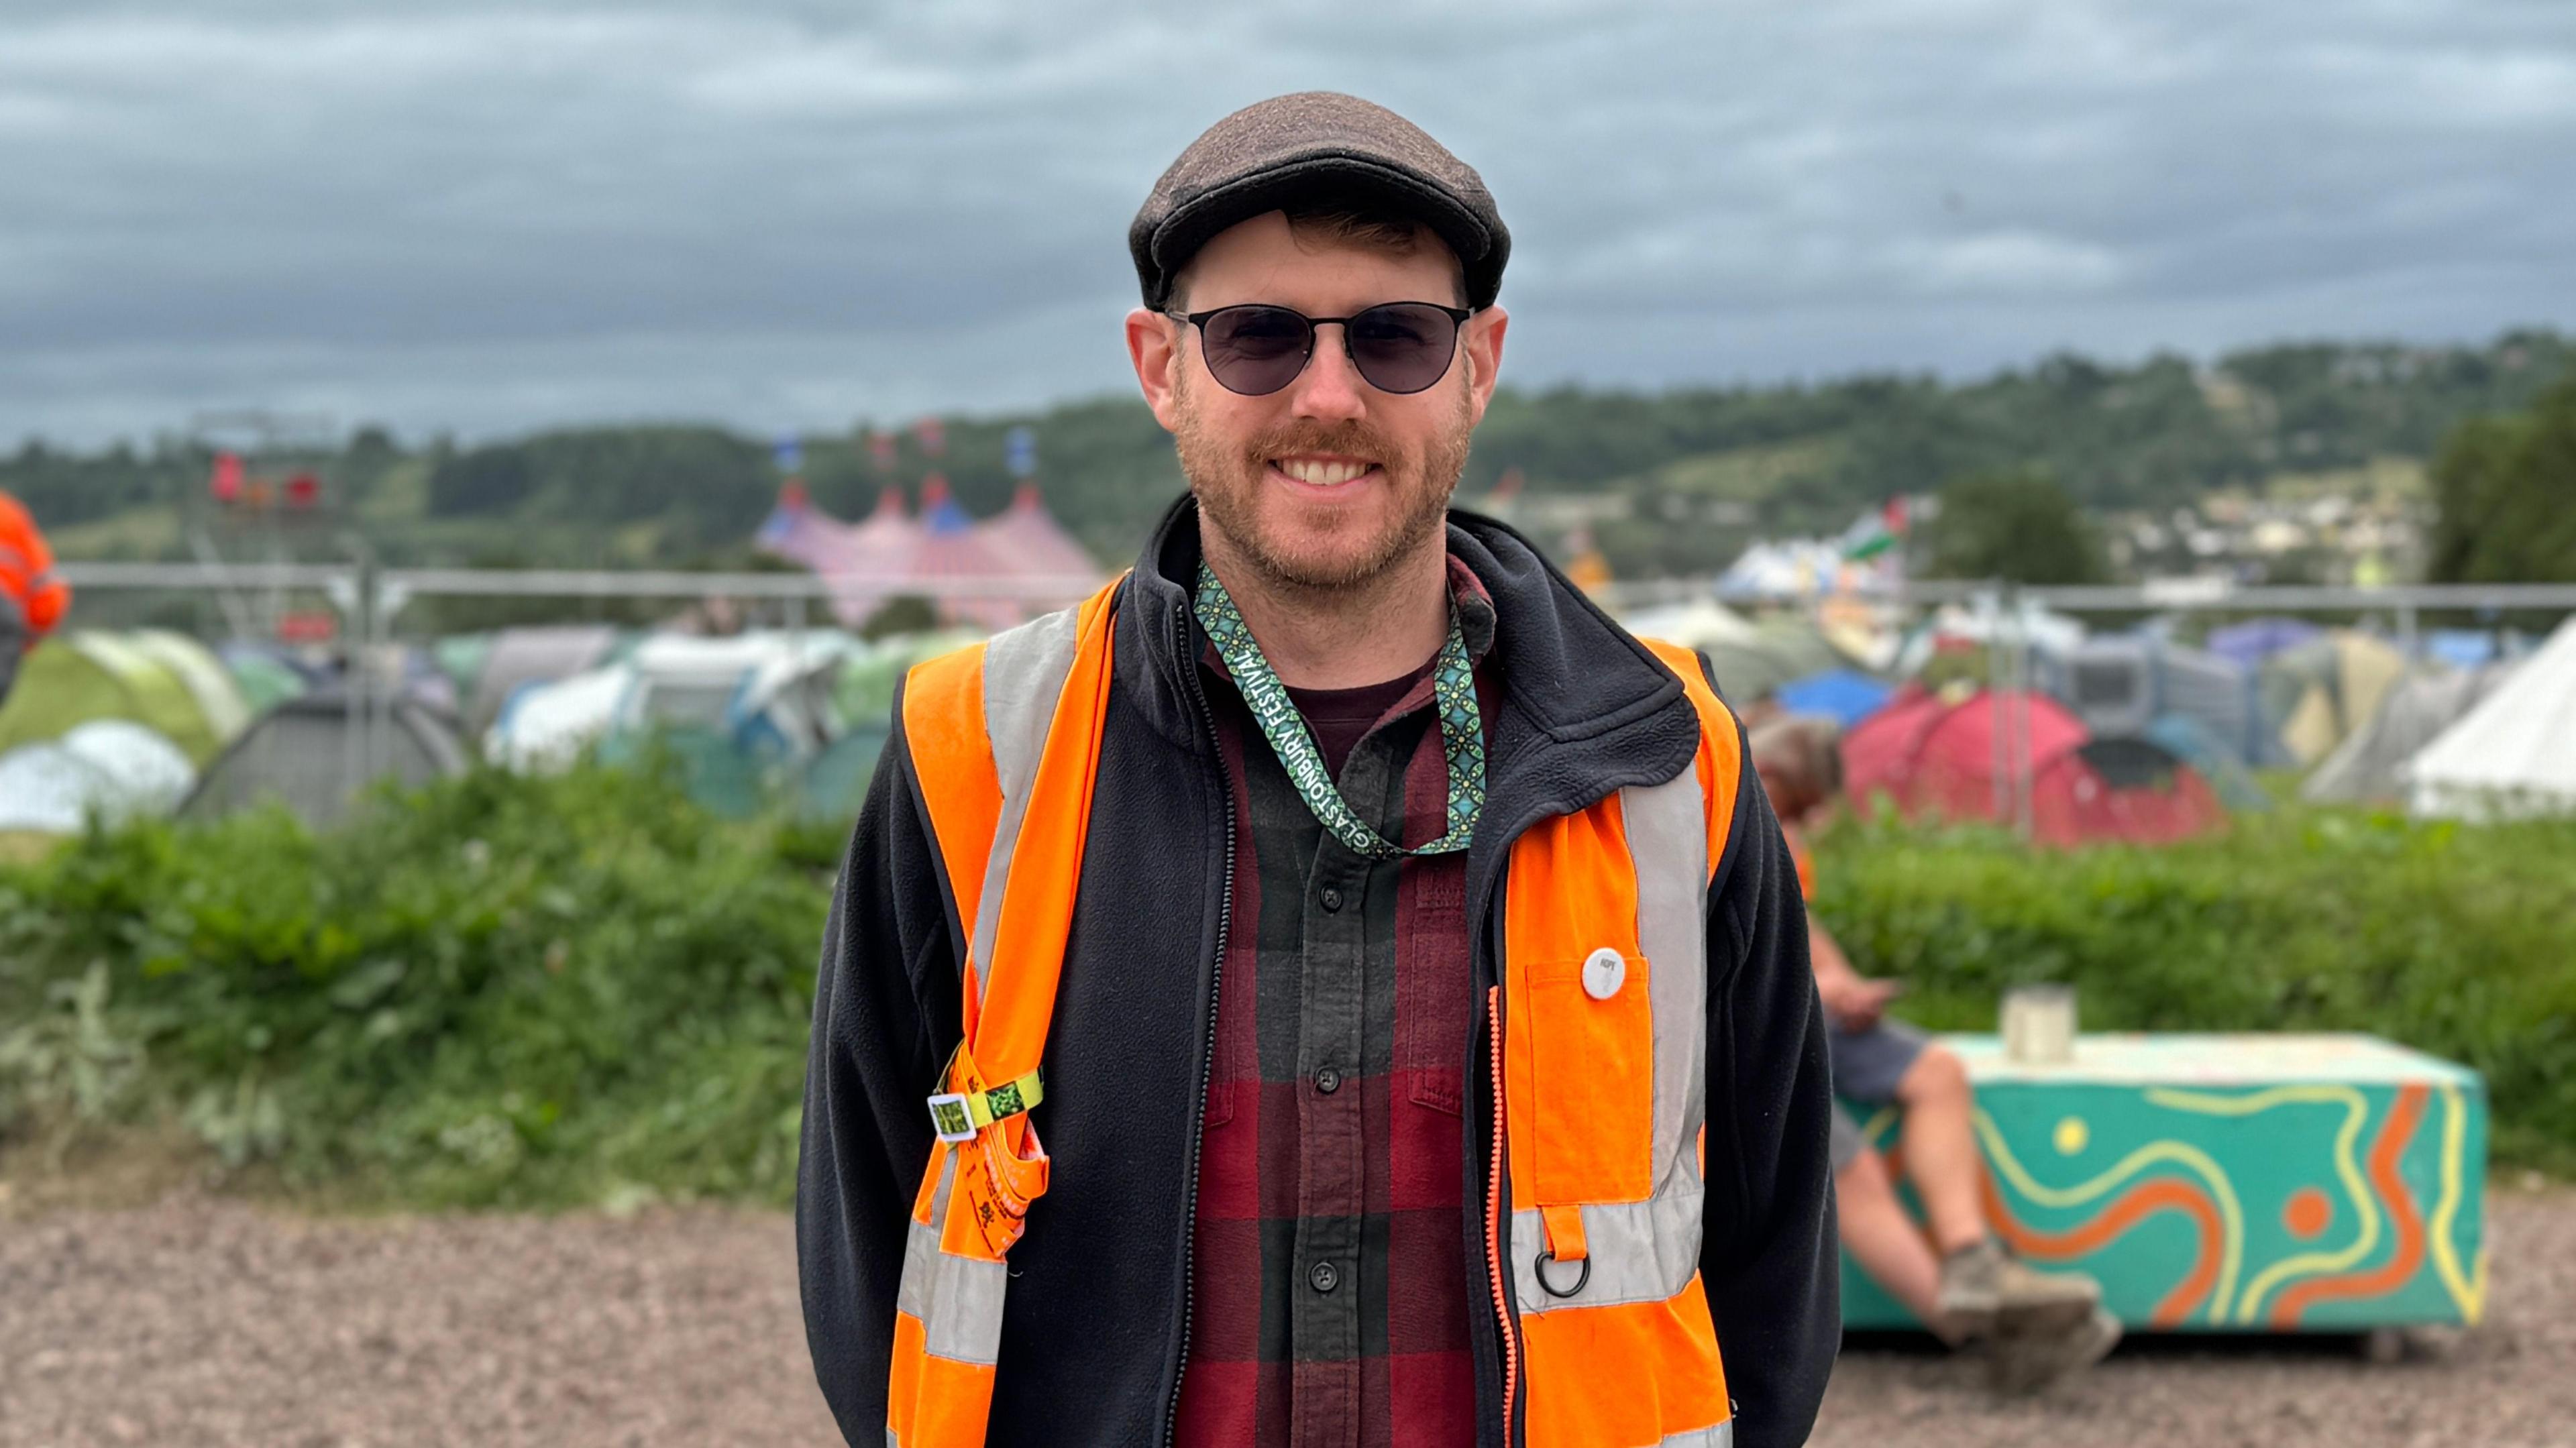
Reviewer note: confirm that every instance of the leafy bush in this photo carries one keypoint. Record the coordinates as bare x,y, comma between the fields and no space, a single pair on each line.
586,990
2453,939
492,991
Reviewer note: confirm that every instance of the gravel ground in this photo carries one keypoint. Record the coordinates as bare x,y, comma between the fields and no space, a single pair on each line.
206,1320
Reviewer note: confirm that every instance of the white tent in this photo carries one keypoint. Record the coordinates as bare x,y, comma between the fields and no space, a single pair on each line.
774,688
107,767
2515,753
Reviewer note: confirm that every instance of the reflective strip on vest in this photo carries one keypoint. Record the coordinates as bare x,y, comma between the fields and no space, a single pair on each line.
1605,1101
1024,673
1005,744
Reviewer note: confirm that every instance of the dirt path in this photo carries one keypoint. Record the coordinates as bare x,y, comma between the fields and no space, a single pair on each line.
207,1321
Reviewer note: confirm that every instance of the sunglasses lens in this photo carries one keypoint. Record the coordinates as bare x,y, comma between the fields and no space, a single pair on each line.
1256,350
1403,346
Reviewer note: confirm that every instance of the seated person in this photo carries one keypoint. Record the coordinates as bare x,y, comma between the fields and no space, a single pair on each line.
1960,1283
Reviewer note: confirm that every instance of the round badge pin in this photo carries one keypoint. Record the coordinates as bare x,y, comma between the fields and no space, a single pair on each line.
1604,971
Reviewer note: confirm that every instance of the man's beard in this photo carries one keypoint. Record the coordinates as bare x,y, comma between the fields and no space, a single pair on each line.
1228,480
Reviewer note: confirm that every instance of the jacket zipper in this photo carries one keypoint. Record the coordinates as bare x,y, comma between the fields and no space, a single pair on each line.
1207,1050
1494,1212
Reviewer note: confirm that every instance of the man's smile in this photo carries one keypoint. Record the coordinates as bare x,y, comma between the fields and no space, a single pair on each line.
1322,472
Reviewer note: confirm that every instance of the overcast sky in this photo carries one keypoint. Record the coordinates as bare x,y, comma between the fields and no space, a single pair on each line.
488,217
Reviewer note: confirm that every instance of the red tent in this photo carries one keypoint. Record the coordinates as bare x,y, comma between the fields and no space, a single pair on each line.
1936,757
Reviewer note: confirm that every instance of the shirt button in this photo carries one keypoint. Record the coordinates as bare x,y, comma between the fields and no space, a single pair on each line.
1332,898
1324,1277
1328,1080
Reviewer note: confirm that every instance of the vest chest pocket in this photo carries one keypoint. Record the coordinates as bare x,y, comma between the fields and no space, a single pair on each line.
1583,1043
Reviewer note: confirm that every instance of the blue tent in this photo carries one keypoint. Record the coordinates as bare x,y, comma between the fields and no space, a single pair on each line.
1845,696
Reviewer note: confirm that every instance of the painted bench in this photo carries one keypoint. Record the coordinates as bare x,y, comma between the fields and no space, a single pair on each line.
2239,1183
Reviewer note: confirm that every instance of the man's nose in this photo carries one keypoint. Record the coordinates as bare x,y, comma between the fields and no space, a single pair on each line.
1330,388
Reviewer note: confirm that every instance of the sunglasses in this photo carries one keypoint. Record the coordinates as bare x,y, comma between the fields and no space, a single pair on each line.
1396,346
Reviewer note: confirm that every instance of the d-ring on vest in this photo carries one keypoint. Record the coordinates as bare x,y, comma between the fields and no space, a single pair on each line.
1602,1076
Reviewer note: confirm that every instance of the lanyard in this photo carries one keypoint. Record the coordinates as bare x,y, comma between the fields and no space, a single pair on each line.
1453,686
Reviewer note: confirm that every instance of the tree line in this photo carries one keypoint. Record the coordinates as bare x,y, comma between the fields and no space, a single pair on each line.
1678,480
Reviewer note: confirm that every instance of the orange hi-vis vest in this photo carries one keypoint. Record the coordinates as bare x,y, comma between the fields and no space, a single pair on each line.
1602,1072
27,577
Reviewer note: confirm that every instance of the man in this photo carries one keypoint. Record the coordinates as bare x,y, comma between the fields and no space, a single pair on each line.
1959,1283
32,599
1429,1050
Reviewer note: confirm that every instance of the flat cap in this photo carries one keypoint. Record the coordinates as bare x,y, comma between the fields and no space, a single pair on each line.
1310,148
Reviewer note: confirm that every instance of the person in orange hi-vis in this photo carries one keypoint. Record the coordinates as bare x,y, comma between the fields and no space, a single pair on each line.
33,598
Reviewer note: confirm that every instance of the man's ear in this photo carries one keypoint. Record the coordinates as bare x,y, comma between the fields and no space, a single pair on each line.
1154,346
1484,342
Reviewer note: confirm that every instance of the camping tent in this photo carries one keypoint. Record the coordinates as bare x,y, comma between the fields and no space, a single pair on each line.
523,656
2121,684
461,658
1971,758
2221,764
1695,625
262,677
207,680
1953,629
733,709
108,768
309,752
863,695
2369,766
2251,642
1845,696
1751,660
74,678
2515,752
2314,694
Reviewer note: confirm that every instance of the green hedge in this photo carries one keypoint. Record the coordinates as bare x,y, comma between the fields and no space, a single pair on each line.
500,991
2455,939
494,991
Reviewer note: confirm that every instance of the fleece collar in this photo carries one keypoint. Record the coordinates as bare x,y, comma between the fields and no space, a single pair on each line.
1585,709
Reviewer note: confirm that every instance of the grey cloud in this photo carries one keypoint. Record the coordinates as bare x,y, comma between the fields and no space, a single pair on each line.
488,216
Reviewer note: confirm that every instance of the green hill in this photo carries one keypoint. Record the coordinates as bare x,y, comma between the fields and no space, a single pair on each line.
1671,482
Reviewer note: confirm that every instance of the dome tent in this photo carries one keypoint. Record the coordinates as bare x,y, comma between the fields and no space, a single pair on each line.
736,713
69,680
1936,758
107,769
519,657
206,678
308,752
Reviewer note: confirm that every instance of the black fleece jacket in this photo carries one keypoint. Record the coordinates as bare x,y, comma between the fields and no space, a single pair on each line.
1096,1319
